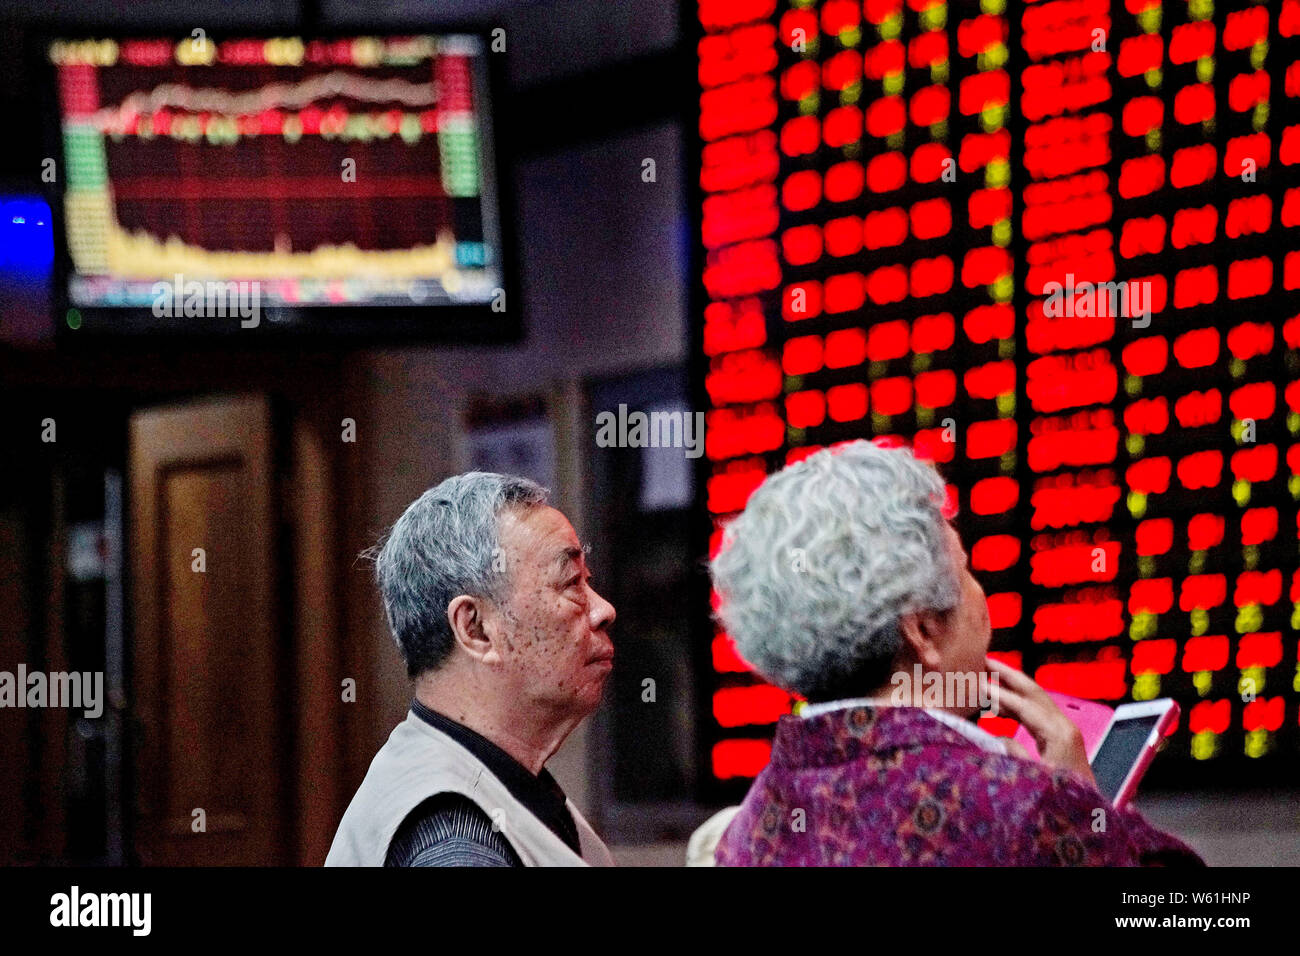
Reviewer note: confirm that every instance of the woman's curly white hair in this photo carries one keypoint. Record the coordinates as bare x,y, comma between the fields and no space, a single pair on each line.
828,555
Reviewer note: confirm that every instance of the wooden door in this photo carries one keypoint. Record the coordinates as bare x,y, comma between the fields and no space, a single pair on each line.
211,761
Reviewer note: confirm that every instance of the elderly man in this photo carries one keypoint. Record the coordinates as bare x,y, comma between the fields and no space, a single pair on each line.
489,598
842,581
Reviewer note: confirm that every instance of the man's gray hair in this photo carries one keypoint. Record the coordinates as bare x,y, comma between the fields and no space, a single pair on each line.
447,543
827,556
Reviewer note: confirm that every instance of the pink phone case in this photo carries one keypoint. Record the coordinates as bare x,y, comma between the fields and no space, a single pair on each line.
1091,717
1129,790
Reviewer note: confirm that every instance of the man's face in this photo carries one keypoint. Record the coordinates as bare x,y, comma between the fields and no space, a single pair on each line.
557,649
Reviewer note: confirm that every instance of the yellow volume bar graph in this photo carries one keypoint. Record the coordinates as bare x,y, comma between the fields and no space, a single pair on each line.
142,256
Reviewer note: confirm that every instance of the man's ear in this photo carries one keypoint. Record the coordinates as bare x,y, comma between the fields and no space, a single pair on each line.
467,617
923,633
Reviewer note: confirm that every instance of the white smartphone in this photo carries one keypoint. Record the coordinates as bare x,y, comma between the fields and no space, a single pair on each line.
1130,745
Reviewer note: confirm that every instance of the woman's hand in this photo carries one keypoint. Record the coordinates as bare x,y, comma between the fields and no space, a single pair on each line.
1059,741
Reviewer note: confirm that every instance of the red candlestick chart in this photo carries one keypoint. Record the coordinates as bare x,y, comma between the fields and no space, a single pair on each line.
344,171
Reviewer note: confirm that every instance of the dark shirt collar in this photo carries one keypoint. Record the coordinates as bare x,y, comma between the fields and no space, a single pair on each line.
541,794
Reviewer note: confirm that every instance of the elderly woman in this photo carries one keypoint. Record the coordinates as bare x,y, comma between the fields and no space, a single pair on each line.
843,582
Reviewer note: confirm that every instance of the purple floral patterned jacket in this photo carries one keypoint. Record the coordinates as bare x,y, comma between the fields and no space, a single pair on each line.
892,786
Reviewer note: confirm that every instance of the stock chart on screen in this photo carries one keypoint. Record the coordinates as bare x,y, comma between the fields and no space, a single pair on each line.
331,172
1054,247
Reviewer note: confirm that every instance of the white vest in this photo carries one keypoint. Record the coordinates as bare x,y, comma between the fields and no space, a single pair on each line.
419,761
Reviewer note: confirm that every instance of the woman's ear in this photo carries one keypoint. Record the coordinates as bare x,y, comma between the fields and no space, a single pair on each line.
923,635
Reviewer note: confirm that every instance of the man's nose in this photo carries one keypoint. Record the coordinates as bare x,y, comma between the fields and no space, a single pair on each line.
602,612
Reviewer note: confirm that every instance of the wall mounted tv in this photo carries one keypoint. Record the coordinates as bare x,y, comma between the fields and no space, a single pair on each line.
292,188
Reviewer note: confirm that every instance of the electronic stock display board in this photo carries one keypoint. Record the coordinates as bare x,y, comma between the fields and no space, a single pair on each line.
1054,247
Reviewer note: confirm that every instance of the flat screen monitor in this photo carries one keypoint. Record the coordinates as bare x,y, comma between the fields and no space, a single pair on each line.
264,185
